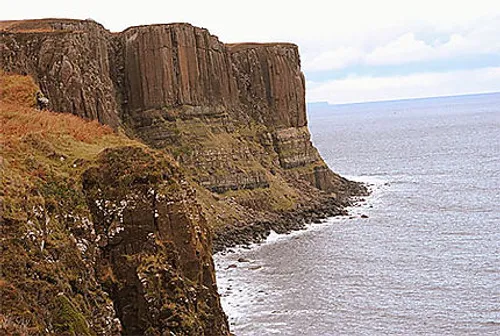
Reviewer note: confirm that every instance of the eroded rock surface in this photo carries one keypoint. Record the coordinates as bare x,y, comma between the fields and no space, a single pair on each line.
153,246
69,59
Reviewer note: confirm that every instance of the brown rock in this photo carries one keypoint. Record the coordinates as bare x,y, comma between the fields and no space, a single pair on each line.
162,269
176,64
270,83
70,61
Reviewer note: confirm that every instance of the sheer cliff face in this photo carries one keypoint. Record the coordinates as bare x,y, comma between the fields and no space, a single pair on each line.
172,65
272,88
271,85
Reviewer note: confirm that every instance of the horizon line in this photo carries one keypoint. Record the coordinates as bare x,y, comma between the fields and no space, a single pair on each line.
404,99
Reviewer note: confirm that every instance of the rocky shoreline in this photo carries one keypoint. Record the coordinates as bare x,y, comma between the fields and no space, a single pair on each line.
254,232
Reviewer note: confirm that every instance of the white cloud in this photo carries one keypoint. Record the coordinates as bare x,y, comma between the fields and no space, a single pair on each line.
479,38
404,49
335,59
355,89
407,49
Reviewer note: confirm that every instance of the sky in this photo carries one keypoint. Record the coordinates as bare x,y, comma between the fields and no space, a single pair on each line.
352,51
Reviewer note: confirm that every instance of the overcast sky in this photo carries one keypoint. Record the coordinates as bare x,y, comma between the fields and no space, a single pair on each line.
352,51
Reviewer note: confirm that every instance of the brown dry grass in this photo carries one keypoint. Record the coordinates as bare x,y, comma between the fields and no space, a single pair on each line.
237,47
16,121
36,146
9,326
18,116
36,25
17,89
30,26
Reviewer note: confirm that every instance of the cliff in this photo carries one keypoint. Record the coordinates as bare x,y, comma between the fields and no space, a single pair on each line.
221,150
100,235
69,60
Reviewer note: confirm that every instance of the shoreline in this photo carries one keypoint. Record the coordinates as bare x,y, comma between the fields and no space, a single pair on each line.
232,236
230,262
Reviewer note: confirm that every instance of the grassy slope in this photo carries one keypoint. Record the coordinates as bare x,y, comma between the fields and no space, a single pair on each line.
39,146
43,155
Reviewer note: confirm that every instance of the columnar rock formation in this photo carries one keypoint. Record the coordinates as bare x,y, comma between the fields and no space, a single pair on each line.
271,85
233,116
174,65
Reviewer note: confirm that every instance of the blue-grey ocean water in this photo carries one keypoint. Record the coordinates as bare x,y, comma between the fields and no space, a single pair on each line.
425,262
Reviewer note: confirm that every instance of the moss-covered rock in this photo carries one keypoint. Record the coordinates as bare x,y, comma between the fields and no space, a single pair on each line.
67,320
155,240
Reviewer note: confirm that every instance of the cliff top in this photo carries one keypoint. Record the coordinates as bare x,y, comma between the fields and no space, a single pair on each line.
166,25
44,25
236,47
58,24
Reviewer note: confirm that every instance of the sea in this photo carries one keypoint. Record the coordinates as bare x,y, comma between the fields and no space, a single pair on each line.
425,261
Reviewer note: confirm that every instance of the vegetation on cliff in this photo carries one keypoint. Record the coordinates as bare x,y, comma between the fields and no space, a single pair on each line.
43,154
75,260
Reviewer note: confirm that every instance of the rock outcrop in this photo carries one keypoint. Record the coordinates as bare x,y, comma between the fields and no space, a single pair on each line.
70,61
232,116
153,245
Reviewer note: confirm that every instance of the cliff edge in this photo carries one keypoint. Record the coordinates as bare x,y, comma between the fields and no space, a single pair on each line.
221,154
